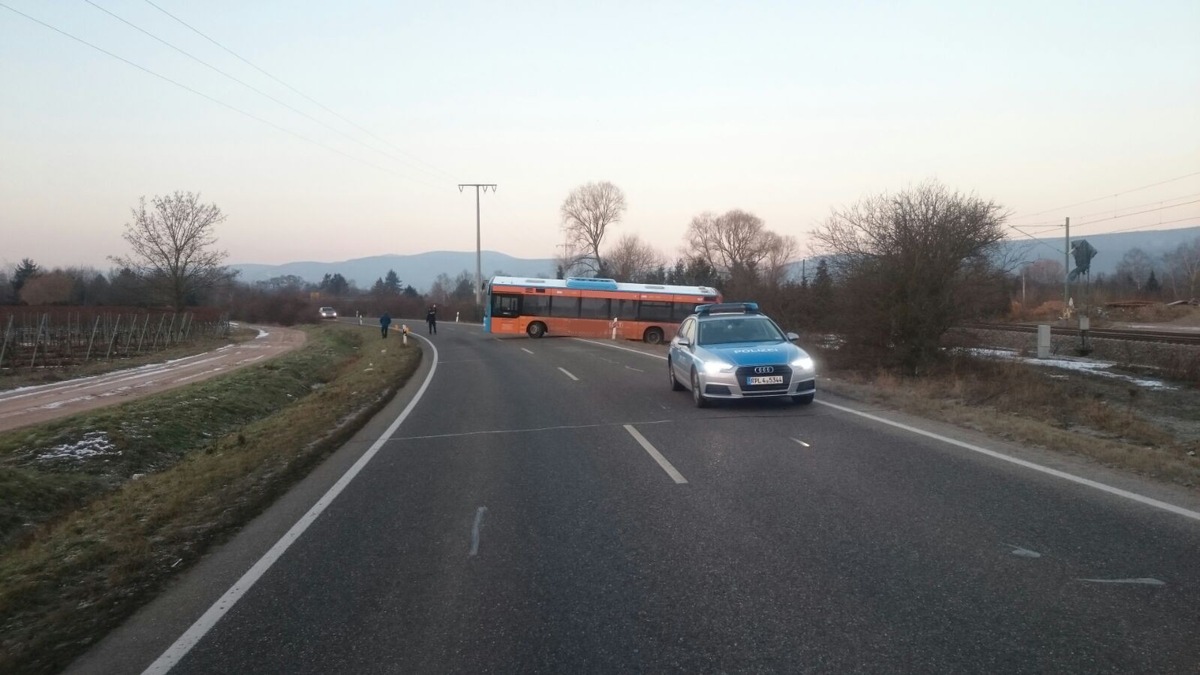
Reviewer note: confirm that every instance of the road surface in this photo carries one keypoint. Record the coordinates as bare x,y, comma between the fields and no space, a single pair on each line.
34,405
551,506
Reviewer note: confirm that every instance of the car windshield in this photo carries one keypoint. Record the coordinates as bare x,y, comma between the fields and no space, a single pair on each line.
740,329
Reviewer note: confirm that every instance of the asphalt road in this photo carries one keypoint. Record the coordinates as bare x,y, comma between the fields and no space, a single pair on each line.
518,520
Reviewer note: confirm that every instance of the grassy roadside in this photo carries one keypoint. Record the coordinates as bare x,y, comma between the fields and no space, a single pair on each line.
107,506
1152,433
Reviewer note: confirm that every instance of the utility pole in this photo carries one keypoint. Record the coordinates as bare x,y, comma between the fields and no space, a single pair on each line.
1067,270
478,255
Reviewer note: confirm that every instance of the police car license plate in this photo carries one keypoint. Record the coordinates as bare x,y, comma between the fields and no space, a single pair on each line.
765,379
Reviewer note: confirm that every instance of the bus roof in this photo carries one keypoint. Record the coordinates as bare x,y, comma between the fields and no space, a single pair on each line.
586,283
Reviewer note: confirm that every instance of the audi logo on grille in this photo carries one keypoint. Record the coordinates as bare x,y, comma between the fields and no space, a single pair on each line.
764,370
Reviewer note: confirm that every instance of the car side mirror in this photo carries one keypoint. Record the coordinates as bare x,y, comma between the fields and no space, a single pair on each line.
792,337
682,342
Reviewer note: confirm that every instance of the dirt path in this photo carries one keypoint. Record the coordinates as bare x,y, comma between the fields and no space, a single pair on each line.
33,405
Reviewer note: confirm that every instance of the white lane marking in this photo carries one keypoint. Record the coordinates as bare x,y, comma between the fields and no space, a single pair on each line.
662,461
196,632
526,350
568,373
1144,581
802,442
1027,464
1148,501
1021,551
624,349
475,530
637,369
489,432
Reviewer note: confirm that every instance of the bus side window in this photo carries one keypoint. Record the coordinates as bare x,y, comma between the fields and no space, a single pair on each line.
682,310
564,306
594,308
506,305
654,310
535,305
626,309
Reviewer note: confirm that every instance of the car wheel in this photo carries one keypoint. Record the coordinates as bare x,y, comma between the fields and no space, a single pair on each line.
675,386
803,399
536,329
653,336
698,396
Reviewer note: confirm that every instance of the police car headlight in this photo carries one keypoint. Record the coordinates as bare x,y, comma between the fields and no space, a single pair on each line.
804,363
714,367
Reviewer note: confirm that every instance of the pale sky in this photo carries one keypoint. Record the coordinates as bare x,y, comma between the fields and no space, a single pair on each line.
784,109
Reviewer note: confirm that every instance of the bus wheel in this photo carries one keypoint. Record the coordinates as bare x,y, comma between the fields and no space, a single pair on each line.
536,329
653,336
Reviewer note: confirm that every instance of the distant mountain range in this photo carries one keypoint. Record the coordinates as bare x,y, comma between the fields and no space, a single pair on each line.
1111,247
420,270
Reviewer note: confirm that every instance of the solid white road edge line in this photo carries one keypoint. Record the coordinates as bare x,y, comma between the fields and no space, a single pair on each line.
196,632
662,461
568,373
1133,496
1027,464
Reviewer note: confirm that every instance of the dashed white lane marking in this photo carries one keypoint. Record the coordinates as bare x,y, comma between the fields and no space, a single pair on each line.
526,350
200,628
1144,581
1021,552
568,373
802,442
635,369
662,461
475,530
1133,496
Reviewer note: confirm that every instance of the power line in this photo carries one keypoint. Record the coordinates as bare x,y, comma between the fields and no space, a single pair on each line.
300,93
247,85
199,93
1195,219
1138,213
1118,194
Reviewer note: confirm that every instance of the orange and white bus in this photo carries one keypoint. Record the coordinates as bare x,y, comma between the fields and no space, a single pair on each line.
590,308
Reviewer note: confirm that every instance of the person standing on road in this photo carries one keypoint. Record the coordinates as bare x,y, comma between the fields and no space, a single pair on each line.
431,319
384,322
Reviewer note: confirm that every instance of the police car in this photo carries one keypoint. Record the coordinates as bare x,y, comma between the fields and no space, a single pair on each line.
731,350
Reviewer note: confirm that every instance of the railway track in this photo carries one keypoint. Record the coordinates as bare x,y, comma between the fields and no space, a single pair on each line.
1162,336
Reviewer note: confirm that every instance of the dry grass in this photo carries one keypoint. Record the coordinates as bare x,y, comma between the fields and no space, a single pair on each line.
1116,424
99,556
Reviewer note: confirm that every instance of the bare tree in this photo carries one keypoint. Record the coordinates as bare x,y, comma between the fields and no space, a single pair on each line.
173,245
1182,268
1135,266
740,248
632,259
586,215
913,264
782,251
48,288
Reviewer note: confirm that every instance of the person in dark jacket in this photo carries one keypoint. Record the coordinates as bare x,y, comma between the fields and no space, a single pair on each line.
384,322
431,319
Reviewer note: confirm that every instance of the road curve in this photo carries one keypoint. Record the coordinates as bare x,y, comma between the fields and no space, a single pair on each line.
551,506
33,405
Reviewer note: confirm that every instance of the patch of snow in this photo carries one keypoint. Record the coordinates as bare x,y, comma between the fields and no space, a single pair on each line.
93,444
261,334
1100,368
